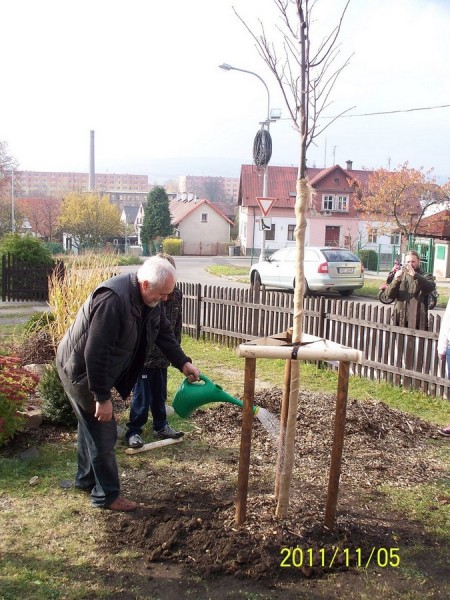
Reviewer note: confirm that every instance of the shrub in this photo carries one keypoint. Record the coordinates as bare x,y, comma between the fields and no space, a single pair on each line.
16,386
27,248
369,259
56,407
54,247
172,246
35,347
128,259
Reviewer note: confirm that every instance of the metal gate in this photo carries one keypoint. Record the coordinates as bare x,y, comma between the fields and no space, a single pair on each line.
425,249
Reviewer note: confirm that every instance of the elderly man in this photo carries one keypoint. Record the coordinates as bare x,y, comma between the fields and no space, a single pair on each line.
105,348
410,289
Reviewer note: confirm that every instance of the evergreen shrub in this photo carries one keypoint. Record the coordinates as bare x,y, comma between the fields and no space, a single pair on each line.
56,408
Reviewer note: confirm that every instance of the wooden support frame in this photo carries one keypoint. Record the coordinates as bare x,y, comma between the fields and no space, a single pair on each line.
311,348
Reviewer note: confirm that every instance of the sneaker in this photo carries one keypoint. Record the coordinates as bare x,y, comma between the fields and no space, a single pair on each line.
135,441
445,431
167,432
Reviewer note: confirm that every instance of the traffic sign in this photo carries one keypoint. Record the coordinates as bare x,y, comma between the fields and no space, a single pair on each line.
265,204
265,224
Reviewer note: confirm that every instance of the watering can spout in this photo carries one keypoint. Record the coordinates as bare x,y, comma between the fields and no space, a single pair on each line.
191,396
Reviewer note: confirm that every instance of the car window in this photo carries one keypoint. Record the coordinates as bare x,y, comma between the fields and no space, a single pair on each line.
310,254
339,255
285,254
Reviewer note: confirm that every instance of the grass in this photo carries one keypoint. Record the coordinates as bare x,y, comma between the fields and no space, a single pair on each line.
54,553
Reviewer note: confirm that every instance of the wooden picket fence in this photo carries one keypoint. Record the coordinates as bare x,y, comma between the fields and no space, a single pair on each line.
21,281
396,355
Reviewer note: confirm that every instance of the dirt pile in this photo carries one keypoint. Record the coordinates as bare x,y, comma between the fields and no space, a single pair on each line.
188,509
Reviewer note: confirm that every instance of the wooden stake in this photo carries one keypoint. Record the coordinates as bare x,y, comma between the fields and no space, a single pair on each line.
283,421
338,444
246,440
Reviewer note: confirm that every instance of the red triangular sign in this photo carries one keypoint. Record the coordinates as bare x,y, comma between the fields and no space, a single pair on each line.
265,204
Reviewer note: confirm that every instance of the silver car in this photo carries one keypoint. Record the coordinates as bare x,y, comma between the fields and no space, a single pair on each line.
326,269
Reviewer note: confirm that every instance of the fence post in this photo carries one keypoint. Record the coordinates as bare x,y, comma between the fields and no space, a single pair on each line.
3,278
198,324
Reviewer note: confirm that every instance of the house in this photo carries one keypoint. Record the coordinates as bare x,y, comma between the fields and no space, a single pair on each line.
202,226
132,217
332,219
437,228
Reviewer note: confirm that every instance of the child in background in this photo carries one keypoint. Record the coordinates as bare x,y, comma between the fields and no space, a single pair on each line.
150,390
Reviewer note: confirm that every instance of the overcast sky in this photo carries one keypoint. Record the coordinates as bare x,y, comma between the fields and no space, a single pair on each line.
143,74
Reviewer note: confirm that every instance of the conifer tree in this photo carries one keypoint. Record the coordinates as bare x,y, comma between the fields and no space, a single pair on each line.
157,217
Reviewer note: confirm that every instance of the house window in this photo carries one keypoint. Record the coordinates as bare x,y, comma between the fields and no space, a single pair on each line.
290,233
395,239
328,203
342,203
270,235
372,236
204,217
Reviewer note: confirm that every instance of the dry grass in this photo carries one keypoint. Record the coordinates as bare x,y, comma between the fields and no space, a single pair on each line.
66,296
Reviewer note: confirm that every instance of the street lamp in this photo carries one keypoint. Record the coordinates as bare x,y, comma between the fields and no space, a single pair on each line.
13,217
266,124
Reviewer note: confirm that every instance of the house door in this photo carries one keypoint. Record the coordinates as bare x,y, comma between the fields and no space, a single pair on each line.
332,235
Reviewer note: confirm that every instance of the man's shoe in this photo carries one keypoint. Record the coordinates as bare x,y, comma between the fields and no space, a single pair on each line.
167,432
135,441
122,505
445,431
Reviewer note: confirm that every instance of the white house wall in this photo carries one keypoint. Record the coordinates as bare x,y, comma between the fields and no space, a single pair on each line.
215,229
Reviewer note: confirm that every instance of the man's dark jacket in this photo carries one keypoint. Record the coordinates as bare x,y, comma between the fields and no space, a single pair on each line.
411,296
105,347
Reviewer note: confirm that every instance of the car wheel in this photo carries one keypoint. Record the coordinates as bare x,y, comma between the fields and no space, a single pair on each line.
345,292
256,280
307,291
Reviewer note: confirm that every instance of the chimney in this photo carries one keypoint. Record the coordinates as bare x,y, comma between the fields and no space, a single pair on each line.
349,165
92,165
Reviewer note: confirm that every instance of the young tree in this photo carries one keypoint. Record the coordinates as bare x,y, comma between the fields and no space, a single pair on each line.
8,165
399,199
306,75
89,218
157,218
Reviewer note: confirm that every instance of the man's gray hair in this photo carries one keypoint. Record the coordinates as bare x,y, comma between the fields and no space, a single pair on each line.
155,270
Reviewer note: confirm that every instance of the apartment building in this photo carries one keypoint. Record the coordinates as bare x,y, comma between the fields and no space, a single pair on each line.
211,188
53,183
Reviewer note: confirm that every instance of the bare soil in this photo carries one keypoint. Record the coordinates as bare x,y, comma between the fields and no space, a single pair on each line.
188,544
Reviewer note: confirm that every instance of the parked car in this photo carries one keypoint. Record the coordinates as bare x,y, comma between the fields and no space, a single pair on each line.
326,269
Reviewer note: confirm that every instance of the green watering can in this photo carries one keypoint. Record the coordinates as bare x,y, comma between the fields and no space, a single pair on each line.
191,396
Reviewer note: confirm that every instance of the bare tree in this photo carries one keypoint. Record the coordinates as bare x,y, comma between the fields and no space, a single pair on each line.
306,75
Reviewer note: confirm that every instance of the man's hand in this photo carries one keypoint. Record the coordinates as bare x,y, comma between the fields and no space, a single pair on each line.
399,275
104,411
191,372
409,270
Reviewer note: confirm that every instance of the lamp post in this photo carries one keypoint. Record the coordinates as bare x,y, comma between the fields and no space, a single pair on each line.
13,217
266,123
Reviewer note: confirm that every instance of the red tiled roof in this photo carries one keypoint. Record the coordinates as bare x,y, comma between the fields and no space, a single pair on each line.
437,225
282,181
179,209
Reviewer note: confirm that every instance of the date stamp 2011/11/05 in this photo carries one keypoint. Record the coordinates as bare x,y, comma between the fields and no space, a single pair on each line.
334,557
